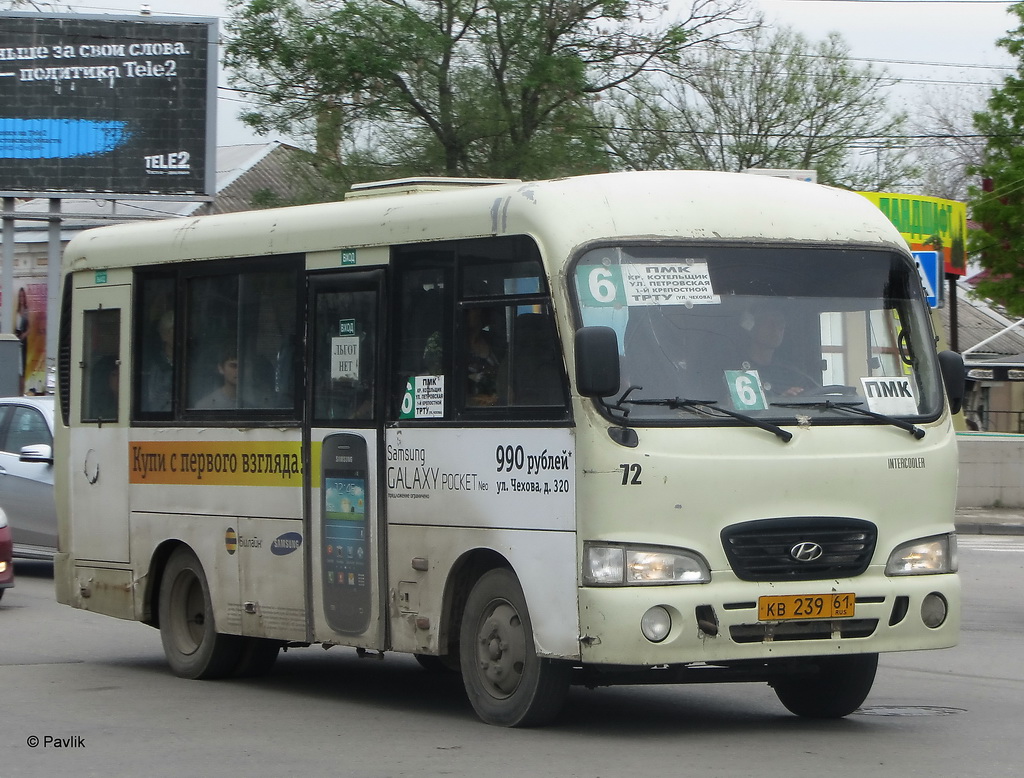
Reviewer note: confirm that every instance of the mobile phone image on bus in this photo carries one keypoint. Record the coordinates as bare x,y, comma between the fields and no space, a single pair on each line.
345,542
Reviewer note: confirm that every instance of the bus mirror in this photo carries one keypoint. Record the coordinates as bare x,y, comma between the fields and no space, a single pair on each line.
597,361
954,377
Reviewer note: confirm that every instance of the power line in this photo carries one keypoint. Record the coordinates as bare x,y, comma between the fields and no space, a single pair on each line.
221,44
914,2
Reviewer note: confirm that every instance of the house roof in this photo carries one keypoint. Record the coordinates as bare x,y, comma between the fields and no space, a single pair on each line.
978,320
243,172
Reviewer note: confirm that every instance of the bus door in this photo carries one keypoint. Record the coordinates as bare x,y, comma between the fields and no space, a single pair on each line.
344,498
99,460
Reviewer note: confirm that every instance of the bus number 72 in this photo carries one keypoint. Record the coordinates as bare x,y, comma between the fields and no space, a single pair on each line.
627,478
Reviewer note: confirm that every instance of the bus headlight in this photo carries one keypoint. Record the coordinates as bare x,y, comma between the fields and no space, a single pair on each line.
924,556
625,565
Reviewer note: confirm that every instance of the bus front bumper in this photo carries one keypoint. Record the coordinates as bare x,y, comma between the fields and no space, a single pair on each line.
723,621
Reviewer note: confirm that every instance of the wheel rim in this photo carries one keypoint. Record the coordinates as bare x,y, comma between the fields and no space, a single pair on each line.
189,612
501,649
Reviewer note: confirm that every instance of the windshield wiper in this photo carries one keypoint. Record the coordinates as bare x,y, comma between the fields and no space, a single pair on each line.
851,407
680,403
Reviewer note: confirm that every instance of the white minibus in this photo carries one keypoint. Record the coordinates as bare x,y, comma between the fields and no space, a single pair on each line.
631,428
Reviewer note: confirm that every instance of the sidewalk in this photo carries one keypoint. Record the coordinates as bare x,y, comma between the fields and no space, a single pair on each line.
990,521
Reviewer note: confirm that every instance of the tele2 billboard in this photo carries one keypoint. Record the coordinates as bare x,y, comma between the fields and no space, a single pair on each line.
106,104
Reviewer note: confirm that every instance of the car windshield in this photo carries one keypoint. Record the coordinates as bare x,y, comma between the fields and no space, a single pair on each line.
773,333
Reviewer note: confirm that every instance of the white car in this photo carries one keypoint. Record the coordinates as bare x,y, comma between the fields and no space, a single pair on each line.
26,475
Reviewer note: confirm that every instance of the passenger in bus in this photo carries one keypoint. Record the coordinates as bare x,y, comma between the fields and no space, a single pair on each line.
157,369
226,395
481,360
766,328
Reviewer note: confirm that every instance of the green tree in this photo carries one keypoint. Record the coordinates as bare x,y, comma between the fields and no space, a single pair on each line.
998,205
777,102
454,87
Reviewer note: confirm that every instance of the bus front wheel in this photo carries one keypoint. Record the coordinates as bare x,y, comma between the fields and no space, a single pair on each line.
838,688
506,682
192,645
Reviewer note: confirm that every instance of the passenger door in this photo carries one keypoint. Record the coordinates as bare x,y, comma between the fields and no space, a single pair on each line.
343,436
97,466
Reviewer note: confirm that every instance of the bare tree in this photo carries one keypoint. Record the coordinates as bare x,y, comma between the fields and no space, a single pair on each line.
946,144
779,101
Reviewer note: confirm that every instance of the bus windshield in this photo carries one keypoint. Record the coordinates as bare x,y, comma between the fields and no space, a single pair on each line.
780,333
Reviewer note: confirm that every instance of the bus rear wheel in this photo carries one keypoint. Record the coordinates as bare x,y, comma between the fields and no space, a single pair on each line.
192,645
506,682
841,684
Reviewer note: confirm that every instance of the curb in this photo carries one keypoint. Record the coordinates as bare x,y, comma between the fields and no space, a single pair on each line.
982,528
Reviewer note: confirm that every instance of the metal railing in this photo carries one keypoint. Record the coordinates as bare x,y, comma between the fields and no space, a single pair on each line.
996,421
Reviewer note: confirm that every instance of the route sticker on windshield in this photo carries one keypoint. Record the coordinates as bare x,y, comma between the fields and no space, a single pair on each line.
646,283
746,390
893,396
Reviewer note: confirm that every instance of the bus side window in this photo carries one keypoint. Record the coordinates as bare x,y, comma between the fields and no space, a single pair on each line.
212,353
485,348
154,339
510,352
536,369
423,323
240,330
513,357
101,365
344,357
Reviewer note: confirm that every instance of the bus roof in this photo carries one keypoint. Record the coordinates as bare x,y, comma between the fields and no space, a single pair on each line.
563,213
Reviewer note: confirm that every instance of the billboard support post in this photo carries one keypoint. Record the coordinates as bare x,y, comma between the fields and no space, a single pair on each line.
7,274
52,287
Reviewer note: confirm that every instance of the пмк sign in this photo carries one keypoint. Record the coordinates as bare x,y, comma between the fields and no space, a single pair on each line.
106,104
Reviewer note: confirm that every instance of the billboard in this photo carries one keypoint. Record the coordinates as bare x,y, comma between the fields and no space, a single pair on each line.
928,224
104,104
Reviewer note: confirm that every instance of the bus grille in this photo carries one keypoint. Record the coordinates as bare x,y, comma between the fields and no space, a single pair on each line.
799,549
803,630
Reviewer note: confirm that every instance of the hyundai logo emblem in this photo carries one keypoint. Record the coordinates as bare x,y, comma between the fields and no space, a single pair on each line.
806,552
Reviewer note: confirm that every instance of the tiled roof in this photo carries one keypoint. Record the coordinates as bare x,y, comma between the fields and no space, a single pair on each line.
979,320
276,171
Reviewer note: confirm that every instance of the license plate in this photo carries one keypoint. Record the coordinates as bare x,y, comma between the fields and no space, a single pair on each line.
806,606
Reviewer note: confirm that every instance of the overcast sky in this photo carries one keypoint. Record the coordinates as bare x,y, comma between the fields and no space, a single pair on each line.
933,45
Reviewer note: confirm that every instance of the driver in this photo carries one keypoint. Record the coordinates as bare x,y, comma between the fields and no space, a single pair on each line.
766,329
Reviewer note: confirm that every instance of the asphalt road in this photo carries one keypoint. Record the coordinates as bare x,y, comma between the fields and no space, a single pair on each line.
97,695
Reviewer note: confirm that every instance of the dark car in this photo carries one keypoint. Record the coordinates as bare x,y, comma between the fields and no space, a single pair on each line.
26,475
